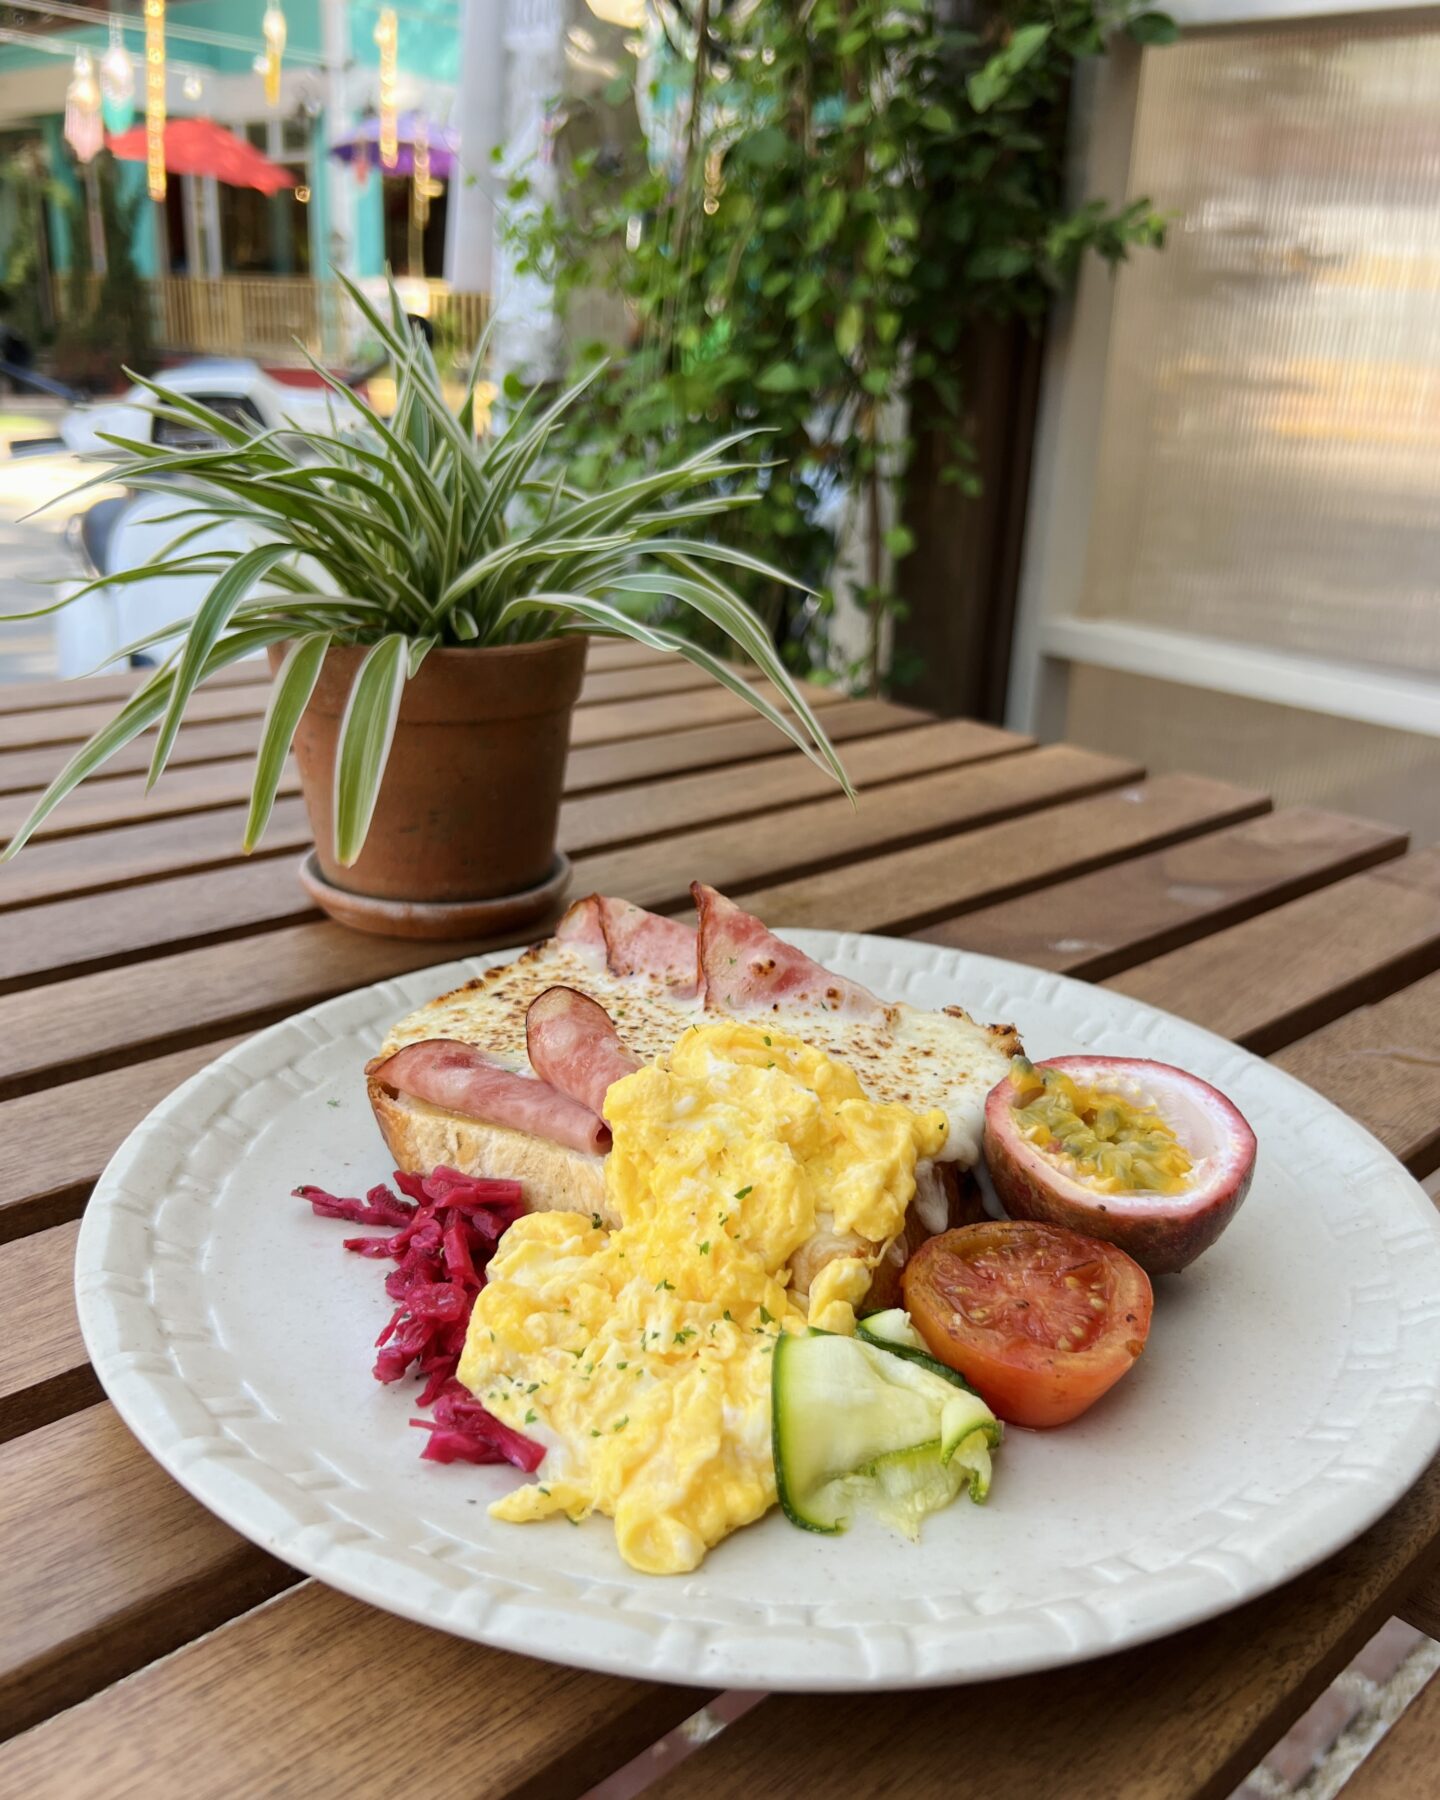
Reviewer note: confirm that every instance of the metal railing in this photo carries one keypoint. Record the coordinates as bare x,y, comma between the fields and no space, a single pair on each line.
272,316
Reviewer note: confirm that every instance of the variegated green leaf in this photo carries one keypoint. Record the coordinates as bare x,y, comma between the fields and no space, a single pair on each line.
366,733
289,696
229,590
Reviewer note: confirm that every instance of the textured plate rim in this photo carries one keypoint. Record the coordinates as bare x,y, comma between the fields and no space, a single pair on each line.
813,1655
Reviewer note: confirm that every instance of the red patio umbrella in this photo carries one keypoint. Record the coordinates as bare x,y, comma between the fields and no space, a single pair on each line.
201,147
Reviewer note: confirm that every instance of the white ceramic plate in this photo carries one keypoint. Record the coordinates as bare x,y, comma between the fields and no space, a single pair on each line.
1289,1395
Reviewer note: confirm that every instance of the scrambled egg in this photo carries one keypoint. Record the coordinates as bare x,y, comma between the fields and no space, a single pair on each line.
640,1357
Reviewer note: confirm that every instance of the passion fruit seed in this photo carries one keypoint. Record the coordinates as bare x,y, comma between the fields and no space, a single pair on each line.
1025,1079
1100,1138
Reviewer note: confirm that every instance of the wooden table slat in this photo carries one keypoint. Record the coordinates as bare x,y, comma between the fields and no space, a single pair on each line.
204,787
1295,968
67,936
118,685
150,1008
605,661
1186,1718
54,1143
818,836
158,846
137,942
73,724
677,713
43,1371
73,937
30,768
1097,924
315,1694
1405,1764
173,1000
603,690
602,821
155,850
632,760
80,1497
907,889
1382,1066
606,656
220,740
586,824
1422,1607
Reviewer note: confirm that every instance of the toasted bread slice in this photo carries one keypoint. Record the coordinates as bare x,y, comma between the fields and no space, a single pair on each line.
422,1137
924,1059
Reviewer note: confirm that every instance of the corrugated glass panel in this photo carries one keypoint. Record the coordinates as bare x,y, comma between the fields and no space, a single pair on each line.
1270,454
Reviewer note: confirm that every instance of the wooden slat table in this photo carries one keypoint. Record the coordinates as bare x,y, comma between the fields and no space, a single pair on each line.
146,1649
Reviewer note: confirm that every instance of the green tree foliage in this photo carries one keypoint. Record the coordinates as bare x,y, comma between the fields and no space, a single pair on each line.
105,321
861,181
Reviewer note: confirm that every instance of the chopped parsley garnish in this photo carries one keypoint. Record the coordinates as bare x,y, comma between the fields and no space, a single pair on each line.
683,1337
705,1248
766,1318
663,1283
620,1424
531,1416
744,1191
767,1043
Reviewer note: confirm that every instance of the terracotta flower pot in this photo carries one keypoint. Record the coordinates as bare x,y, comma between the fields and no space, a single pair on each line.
470,800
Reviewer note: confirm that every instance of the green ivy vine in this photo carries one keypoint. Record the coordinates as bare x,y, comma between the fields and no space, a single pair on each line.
859,183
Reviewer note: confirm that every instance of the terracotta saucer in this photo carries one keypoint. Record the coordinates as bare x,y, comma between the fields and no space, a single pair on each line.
453,919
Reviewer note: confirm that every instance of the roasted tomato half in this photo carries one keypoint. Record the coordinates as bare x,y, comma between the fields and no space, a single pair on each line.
1038,1319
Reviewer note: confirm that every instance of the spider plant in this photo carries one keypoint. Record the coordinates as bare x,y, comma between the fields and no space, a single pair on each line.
405,533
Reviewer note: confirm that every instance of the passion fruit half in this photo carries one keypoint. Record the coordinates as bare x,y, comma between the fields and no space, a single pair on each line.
1144,1155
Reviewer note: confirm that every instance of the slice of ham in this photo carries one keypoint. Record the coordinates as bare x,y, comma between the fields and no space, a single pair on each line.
747,969
463,1079
582,930
630,941
573,1044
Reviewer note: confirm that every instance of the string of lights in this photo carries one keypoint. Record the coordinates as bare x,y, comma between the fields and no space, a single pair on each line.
155,98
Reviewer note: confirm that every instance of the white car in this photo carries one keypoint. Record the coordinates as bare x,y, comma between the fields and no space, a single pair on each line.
235,387
126,531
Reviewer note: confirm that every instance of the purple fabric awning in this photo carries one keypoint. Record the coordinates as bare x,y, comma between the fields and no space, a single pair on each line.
363,145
